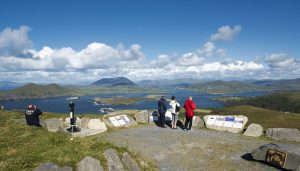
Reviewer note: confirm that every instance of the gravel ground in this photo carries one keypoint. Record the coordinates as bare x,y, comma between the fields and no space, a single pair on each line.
200,149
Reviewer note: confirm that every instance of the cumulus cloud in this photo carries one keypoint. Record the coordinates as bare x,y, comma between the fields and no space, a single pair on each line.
98,60
281,61
226,33
14,41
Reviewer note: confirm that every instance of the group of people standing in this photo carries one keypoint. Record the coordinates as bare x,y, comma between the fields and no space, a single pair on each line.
174,108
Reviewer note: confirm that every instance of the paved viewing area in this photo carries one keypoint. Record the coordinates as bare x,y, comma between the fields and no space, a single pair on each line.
200,149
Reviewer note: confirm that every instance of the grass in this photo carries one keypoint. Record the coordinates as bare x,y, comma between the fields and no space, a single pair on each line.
24,147
265,117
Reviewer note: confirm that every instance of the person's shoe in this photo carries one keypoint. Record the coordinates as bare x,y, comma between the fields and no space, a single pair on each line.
185,129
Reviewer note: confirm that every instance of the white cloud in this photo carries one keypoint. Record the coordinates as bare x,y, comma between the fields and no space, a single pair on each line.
189,59
207,49
281,61
14,41
226,33
221,52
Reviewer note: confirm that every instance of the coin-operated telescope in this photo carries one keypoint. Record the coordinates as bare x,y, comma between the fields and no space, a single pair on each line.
73,127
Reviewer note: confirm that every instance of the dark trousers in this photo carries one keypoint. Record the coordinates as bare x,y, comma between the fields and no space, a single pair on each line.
162,116
188,123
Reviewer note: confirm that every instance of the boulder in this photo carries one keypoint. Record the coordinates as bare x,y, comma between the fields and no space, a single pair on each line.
21,121
230,123
288,134
51,167
89,164
77,122
53,124
142,116
113,161
117,120
278,156
97,124
1,107
84,122
154,117
198,122
129,163
254,130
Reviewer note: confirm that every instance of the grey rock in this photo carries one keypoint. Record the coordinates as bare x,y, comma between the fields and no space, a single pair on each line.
97,124
84,122
53,124
222,126
198,122
51,167
113,161
1,107
254,130
288,134
89,164
142,116
109,123
277,155
129,163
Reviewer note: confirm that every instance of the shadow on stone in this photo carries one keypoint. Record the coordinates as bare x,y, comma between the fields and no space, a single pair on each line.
180,124
249,157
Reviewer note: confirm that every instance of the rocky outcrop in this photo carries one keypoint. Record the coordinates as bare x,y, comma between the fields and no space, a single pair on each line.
278,156
288,134
89,164
254,130
232,123
113,161
53,124
142,116
129,163
51,167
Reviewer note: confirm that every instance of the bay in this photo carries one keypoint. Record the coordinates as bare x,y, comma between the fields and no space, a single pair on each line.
85,105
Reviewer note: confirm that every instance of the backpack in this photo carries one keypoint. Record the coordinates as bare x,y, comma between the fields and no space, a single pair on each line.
177,108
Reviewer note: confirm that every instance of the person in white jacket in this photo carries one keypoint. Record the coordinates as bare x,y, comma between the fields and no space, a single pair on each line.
174,106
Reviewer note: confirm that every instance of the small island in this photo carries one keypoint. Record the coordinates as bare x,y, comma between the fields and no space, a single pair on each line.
117,100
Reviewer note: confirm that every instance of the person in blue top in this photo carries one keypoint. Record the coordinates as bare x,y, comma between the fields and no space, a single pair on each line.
162,108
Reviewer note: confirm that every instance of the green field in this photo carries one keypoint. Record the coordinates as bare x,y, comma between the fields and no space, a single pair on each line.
24,147
265,117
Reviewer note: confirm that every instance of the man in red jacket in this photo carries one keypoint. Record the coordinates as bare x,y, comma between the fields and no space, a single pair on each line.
189,107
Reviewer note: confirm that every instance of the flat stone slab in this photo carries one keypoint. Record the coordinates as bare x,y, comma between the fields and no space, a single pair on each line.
117,120
89,164
113,161
230,123
278,156
96,124
52,124
288,134
84,132
51,167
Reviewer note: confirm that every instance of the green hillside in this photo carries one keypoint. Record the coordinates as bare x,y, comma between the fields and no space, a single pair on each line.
223,87
266,118
284,101
36,91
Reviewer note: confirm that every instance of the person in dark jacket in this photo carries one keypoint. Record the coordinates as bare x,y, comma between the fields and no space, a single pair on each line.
162,108
189,107
32,115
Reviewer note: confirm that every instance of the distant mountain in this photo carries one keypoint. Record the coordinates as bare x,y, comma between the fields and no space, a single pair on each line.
222,87
293,84
169,82
117,81
36,91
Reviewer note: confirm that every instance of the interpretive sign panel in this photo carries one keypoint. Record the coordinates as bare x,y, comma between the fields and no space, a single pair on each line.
119,120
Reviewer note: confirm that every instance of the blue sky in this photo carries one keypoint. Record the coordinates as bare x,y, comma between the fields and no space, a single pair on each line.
165,35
